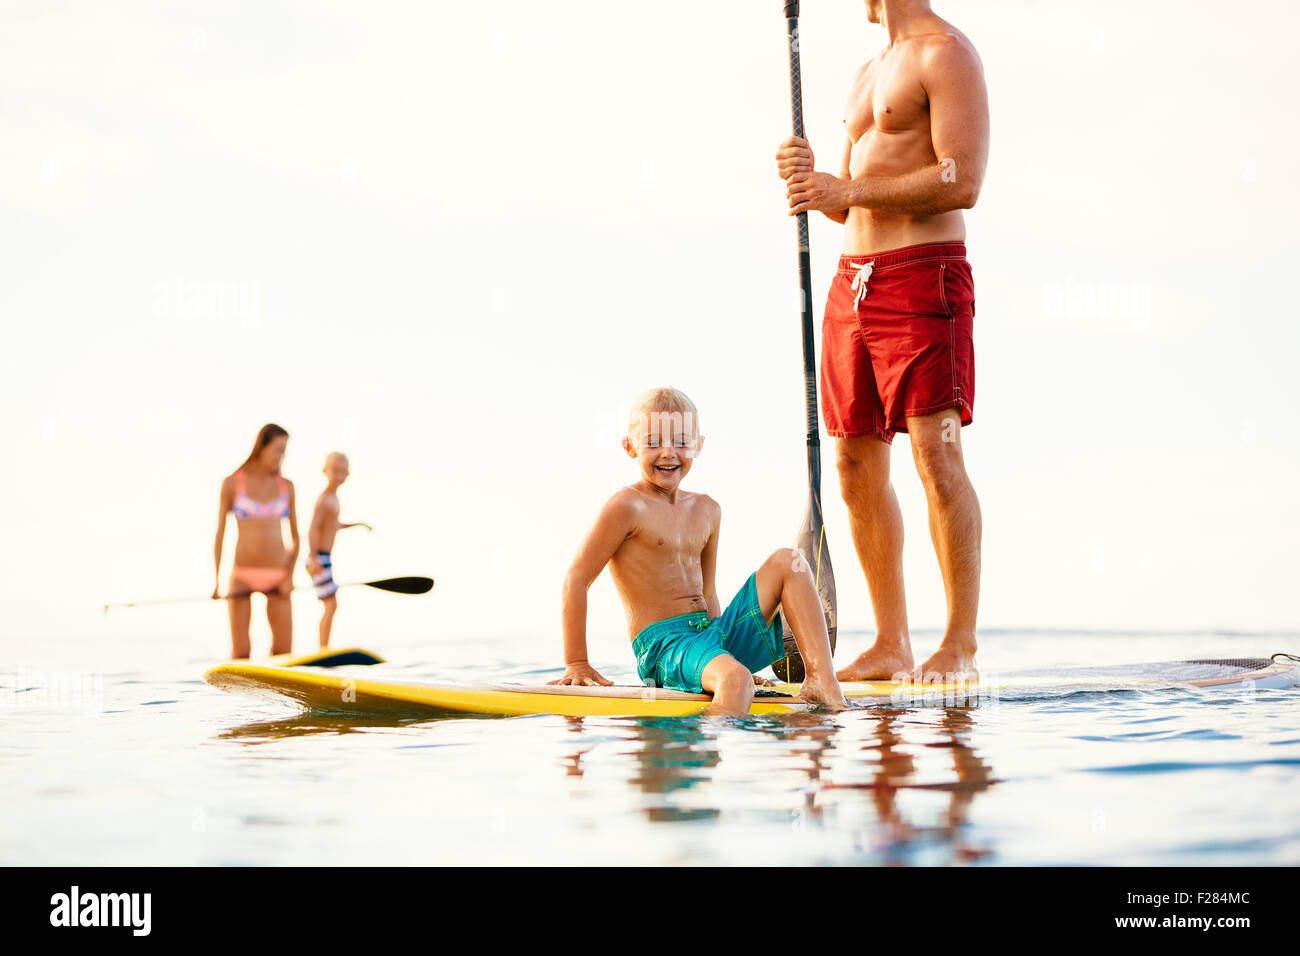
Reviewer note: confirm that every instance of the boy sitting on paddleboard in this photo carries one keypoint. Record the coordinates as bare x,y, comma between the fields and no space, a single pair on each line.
325,525
661,544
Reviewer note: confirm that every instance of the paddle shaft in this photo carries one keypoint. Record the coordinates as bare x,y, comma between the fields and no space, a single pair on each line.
811,539
406,585
805,271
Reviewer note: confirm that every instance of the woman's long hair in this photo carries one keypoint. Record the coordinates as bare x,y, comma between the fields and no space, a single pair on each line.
268,434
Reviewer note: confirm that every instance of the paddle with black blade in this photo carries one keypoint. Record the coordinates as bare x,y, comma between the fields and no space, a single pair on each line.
406,585
811,540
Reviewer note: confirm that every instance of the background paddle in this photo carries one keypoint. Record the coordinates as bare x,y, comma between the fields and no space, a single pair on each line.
406,585
811,539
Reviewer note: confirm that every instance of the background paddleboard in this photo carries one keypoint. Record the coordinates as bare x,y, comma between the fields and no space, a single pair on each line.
349,693
326,657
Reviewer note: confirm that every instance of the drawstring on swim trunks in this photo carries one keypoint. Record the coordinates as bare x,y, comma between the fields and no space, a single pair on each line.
860,282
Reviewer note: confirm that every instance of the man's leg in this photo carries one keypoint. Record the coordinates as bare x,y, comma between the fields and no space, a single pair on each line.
877,526
955,527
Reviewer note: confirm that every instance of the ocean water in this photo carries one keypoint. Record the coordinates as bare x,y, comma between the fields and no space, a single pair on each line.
155,767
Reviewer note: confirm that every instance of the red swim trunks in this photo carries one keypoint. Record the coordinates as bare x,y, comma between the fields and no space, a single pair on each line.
896,339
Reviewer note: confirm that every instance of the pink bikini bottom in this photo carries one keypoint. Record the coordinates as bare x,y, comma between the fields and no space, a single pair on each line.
257,579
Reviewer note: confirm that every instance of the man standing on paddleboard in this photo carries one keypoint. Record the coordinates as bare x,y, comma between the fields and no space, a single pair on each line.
897,352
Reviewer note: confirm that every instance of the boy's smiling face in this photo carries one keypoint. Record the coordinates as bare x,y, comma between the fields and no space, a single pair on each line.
664,444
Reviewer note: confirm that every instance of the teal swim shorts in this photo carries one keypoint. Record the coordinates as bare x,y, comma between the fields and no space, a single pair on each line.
673,652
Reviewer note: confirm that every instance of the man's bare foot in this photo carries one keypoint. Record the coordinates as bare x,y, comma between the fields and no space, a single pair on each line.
949,665
879,662
823,693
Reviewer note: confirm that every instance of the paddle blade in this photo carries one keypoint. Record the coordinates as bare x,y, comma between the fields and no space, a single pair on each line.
402,585
811,541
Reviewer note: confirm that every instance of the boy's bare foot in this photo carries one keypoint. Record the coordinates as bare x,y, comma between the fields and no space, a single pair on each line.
823,693
879,662
950,664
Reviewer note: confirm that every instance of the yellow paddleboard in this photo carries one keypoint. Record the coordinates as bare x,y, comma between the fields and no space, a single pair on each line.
334,692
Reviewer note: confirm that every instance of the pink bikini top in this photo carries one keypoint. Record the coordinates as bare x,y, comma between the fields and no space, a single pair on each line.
246,507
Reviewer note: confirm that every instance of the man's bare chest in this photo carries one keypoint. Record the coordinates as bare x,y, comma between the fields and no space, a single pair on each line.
888,98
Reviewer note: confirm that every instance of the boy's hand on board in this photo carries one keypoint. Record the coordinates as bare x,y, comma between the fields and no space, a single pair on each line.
582,675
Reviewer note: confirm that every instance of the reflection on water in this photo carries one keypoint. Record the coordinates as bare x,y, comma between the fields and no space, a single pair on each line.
306,725
825,766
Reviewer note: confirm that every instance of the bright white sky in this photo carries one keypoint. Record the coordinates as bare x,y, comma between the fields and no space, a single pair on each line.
455,241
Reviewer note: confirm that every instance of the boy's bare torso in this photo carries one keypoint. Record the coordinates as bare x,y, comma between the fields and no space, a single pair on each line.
326,520
887,119
659,567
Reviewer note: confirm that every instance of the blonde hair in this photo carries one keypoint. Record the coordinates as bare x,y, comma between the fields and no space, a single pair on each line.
657,407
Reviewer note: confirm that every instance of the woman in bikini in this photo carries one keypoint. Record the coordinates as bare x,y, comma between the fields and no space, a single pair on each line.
261,499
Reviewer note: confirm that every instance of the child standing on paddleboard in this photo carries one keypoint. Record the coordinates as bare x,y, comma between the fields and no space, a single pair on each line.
325,525
661,545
